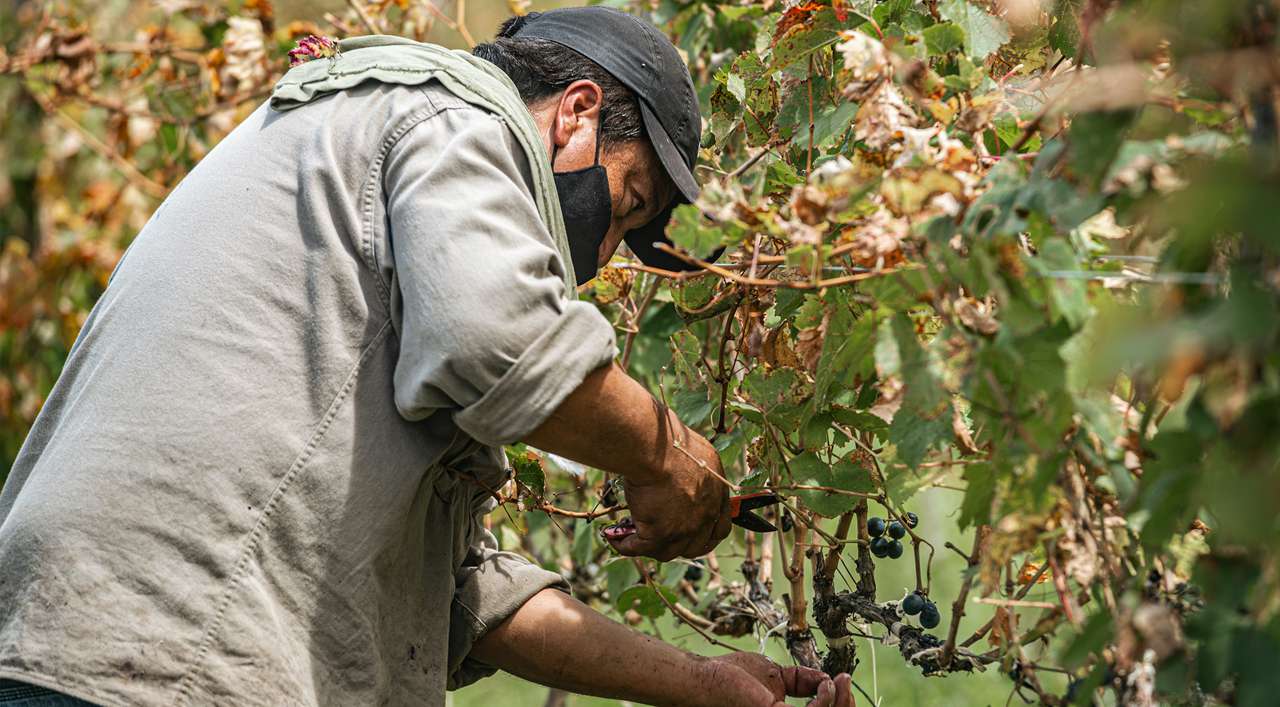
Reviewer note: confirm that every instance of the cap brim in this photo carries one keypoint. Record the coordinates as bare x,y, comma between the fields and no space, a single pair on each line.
669,155
641,241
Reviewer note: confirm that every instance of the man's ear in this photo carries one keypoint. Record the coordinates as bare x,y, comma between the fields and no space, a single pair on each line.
578,109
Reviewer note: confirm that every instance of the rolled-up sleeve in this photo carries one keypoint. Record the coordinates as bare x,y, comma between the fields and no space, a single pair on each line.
484,324
490,587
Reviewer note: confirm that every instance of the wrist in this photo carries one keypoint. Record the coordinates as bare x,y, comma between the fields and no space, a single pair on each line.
668,451
693,685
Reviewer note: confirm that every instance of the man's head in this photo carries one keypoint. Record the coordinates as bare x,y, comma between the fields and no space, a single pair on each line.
603,85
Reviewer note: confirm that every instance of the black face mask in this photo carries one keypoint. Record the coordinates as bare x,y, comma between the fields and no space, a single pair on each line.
587,208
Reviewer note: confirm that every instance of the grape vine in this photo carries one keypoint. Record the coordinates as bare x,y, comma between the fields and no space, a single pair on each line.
1020,252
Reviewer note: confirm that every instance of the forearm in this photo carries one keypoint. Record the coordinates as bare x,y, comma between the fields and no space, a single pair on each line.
557,641
611,422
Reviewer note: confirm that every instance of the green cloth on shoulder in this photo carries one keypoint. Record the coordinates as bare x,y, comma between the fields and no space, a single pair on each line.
398,60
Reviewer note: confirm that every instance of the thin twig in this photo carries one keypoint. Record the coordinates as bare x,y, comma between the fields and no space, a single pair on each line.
547,507
365,19
631,334
748,164
996,601
462,24
1026,588
149,186
784,284
957,608
644,573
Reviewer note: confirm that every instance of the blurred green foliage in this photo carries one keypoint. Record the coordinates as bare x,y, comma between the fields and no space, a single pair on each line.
1010,265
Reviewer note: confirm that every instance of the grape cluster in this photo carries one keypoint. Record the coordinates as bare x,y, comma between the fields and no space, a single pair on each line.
916,603
891,546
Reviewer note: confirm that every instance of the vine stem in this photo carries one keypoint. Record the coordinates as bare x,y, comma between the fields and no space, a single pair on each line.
865,566
833,555
957,608
795,573
1060,585
635,328
808,164
723,377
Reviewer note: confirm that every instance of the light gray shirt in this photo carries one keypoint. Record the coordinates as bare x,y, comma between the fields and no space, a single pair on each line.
260,477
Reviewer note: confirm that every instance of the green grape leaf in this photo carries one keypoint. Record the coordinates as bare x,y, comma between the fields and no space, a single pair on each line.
809,470
644,599
692,406
797,44
780,395
980,491
686,231
983,32
620,574
584,540
528,468
1064,35
924,420
943,37
737,87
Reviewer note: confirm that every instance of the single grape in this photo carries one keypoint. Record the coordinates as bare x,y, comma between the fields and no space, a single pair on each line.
875,527
879,547
912,519
912,604
929,616
896,531
895,549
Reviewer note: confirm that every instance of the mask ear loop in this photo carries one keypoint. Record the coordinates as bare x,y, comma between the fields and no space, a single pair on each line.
555,149
599,134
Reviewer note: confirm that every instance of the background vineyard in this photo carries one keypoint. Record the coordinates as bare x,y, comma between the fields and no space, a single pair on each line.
1010,265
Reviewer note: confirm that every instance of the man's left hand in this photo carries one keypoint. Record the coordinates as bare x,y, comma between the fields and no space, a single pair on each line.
752,680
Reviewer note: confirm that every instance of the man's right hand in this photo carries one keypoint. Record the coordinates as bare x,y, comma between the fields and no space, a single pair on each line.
684,513
677,498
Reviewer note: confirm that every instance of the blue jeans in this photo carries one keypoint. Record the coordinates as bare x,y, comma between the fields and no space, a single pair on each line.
21,694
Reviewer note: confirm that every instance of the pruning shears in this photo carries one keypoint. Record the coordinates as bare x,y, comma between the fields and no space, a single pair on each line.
740,512
741,507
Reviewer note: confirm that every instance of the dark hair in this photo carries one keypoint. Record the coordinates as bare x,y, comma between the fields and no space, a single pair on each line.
541,68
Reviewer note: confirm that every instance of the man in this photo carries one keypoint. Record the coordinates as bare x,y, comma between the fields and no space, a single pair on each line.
261,475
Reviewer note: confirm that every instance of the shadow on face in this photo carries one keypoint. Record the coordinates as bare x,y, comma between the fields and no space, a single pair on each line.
638,187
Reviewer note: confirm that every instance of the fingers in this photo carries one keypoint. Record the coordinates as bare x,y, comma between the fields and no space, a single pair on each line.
800,681
723,527
834,693
844,690
633,538
826,695
640,544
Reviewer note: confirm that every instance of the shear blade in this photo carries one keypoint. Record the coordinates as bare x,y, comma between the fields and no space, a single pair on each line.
751,521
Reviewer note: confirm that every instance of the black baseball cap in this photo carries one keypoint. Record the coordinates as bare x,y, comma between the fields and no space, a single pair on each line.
645,61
